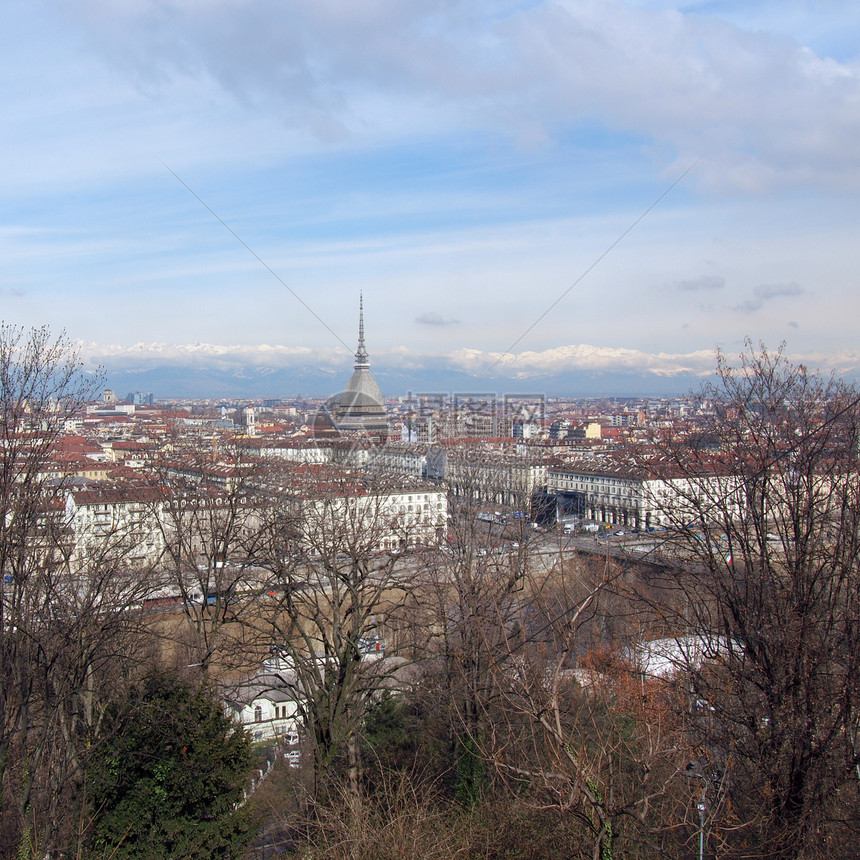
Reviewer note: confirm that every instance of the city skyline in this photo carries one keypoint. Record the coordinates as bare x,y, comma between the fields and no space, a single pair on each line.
467,167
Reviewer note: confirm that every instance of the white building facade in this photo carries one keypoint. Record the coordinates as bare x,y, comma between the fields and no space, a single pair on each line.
639,498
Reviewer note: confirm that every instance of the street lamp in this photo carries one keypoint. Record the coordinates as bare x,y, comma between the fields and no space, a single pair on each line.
694,772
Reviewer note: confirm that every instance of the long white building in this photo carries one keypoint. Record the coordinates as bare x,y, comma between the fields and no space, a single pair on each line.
638,497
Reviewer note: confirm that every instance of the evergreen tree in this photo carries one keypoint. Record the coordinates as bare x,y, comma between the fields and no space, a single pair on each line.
168,778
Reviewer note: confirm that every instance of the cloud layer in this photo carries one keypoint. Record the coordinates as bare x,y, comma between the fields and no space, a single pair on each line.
758,109
473,362
766,293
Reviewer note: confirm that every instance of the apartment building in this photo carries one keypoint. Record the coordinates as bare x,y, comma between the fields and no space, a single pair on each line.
639,497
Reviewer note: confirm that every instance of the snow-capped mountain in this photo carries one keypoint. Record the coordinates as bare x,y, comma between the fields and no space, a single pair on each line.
211,370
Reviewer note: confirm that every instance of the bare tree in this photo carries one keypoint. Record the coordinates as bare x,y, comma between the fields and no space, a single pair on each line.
474,586
332,551
772,591
64,622
530,715
208,515
574,726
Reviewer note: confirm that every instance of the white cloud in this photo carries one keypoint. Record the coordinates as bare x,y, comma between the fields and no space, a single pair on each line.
706,282
146,355
758,110
582,357
572,358
435,319
765,293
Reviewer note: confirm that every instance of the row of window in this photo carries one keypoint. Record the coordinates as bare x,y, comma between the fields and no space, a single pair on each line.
280,713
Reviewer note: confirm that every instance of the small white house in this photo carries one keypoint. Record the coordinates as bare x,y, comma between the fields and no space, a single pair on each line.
266,706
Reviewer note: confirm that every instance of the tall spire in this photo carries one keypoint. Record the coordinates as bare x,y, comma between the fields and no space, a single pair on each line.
362,409
361,357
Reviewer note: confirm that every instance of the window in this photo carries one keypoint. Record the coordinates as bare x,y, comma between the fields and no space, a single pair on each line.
258,714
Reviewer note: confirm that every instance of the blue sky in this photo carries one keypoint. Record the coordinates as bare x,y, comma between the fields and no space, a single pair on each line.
461,162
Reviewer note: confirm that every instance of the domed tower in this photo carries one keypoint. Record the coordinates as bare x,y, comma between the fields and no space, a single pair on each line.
361,406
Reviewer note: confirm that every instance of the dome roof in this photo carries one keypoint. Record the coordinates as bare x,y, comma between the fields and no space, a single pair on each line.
362,392
361,406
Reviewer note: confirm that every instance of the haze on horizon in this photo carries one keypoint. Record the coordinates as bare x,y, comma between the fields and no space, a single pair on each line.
462,164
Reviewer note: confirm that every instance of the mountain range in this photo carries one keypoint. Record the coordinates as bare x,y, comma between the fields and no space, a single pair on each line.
254,372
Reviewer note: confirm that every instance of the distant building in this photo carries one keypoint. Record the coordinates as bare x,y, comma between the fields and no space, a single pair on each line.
406,514
360,409
266,706
485,475
249,420
630,495
117,525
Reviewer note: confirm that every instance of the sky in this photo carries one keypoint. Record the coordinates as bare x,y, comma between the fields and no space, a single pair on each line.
517,188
